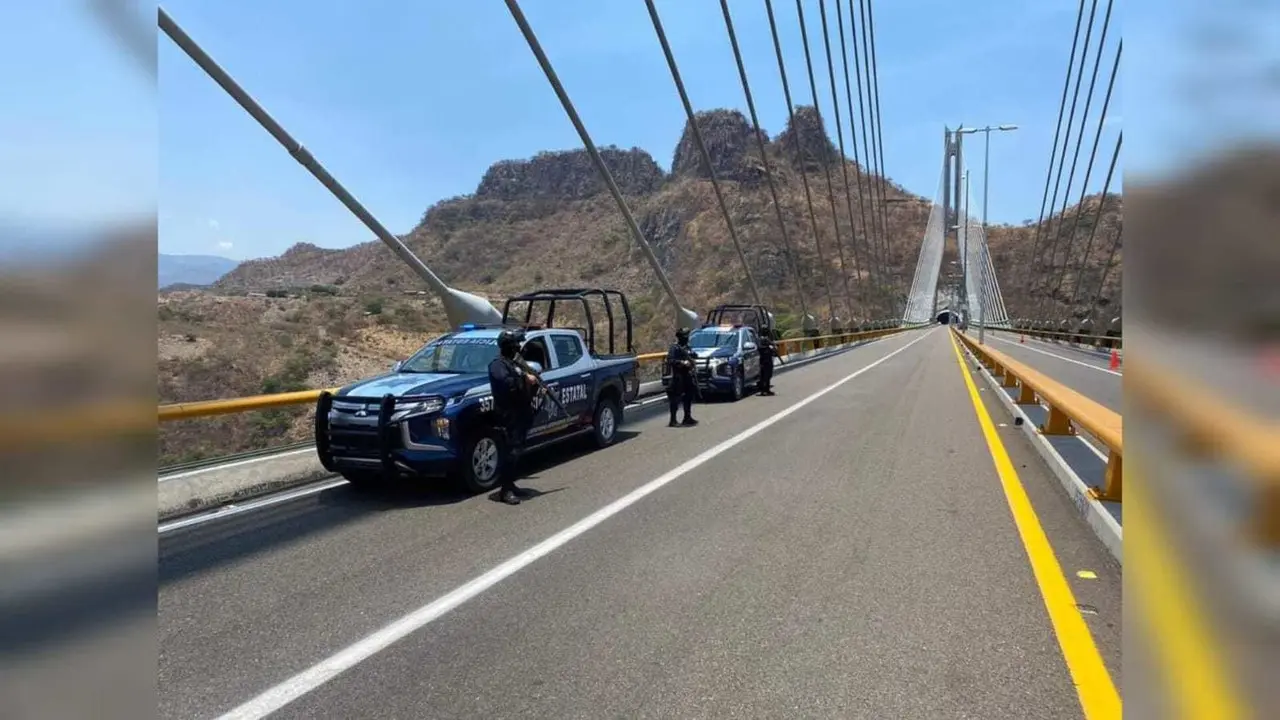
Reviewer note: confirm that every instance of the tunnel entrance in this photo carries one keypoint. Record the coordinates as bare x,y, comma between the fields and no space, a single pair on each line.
946,317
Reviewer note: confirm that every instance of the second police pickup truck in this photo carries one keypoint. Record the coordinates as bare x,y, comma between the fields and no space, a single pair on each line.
432,415
727,349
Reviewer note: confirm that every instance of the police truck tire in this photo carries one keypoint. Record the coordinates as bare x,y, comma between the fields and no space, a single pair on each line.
481,461
605,421
738,385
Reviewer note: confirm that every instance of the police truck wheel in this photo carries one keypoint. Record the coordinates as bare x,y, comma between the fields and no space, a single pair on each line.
482,461
738,383
605,422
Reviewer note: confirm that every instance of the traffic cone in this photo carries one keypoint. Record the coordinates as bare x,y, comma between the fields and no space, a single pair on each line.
1115,359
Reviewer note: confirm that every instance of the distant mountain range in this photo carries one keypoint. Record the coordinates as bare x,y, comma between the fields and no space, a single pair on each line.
192,269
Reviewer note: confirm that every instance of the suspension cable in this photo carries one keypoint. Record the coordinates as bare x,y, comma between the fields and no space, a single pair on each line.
884,177
877,198
825,141
804,176
1066,140
685,317
869,167
788,250
844,165
1116,241
1053,155
1093,155
876,274
1097,220
702,147
1075,161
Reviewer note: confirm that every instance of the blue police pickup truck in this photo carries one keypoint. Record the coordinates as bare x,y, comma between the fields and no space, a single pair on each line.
432,415
727,359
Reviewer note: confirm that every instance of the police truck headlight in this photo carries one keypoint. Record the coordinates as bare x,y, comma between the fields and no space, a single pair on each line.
417,409
442,428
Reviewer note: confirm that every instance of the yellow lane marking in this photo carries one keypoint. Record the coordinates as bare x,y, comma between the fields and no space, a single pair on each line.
1192,669
1094,687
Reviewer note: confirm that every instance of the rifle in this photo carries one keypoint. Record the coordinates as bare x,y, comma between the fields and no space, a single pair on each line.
690,373
540,385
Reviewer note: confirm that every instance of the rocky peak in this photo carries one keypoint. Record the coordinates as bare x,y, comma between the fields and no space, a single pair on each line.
569,175
306,250
815,145
727,134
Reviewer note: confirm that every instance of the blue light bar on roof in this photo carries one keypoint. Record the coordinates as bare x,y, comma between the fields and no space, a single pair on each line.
468,326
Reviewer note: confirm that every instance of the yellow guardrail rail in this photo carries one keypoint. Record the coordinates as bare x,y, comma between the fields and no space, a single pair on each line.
208,408
75,424
1212,427
1067,409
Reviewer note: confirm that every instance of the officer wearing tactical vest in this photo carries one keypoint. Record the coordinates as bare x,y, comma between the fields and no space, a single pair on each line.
513,393
768,352
683,384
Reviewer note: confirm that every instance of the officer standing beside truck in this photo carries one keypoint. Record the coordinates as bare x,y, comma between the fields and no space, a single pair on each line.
768,351
512,390
683,384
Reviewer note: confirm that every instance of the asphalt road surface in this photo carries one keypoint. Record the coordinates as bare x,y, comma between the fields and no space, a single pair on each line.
846,548
1084,371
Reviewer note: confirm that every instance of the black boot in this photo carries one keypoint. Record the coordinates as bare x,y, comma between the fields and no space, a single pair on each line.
689,421
509,495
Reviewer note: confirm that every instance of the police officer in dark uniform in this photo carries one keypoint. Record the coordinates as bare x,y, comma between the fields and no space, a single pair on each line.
683,385
768,352
512,390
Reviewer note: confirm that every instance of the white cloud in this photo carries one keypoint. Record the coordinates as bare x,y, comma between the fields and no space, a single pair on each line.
214,224
224,245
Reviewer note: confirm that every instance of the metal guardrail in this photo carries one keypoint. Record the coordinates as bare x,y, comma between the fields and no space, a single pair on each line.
1212,427
1067,409
209,408
1107,341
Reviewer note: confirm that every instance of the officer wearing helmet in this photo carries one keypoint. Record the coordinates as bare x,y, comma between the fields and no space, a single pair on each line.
683,385
513,392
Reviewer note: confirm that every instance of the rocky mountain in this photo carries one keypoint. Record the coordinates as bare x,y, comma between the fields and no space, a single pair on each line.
317,317
192,269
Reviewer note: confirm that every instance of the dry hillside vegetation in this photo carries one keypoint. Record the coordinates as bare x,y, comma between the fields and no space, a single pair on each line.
543,222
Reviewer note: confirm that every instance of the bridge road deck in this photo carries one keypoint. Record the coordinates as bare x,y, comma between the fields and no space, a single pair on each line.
856,558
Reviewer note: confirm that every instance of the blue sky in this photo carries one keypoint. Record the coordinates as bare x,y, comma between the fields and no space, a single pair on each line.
407,103
78,125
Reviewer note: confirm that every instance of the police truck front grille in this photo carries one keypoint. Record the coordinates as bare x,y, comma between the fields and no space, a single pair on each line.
354,443
353,430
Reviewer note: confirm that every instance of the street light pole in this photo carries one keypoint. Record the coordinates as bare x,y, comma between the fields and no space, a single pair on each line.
986,161
986,173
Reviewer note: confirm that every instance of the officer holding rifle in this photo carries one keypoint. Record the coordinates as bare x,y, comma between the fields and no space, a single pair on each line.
515,386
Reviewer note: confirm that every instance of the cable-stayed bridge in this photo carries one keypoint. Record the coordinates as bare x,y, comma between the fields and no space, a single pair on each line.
920,523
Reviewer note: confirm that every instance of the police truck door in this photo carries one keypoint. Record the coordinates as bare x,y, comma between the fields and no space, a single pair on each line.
750,355
573,371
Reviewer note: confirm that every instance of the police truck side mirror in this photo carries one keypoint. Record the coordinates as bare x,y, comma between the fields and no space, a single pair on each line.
396,368
536,367
749,346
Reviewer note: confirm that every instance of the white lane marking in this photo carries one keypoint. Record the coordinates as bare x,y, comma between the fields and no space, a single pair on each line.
1067,359
317,675
237,463
227,511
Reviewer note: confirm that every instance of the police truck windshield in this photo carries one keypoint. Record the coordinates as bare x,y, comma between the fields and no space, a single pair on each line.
712,339
454,355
